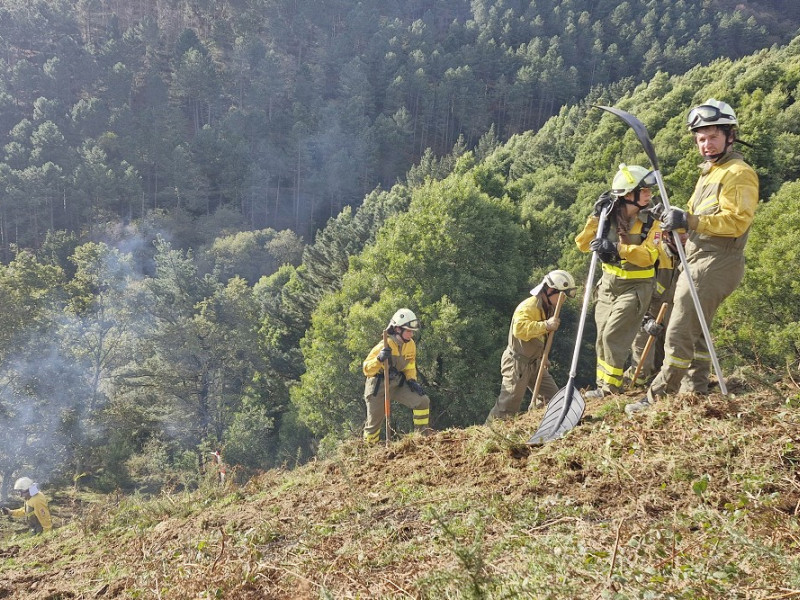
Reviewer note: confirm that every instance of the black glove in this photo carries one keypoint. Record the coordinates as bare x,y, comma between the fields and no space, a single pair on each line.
606,250
414,386
384,354
603,202
675,218
6,511
658,212
651,327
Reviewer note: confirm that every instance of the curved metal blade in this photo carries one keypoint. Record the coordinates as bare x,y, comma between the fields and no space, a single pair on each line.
563,413
638,128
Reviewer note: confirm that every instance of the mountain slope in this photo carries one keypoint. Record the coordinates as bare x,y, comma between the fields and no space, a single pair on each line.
697,499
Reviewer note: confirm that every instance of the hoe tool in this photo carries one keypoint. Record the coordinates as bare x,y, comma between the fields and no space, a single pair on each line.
647,346
387,404
548,344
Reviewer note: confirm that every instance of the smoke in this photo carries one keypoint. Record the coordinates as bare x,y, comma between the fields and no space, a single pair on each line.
127,354
53,386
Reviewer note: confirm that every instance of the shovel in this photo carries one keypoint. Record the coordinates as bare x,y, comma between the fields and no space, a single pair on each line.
647,346
565,409
561,297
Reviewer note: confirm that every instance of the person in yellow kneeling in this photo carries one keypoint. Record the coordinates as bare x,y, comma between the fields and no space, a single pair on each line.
35,509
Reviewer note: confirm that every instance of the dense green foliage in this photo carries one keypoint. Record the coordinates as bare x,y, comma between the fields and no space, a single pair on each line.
285,112
160,312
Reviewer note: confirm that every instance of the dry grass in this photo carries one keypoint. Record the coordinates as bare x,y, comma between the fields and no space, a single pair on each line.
698,498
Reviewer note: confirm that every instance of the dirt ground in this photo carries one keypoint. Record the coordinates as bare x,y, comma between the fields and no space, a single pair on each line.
280,535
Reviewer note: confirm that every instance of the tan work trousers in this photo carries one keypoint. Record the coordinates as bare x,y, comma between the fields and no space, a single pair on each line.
620,306
518,376
376,415
655,356
716,275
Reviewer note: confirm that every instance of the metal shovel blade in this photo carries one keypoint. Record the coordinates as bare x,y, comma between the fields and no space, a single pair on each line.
564,411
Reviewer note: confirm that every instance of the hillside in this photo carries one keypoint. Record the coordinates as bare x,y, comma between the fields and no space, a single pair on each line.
697,499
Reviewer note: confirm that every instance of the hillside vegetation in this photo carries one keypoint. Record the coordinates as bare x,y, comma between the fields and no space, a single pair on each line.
145,325
277,113
698,498
124,363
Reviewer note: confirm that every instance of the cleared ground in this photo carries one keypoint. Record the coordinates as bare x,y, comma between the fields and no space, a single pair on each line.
698,498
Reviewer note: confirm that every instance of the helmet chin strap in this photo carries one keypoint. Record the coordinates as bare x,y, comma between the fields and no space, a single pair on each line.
636,197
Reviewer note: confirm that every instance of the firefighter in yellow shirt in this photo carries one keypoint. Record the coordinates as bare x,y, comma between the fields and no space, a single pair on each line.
401,352
718,219
628,252
35,509
532,321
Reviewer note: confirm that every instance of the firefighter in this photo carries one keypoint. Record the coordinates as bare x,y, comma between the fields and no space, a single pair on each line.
628,251
35,508
718,219
533,319
401,352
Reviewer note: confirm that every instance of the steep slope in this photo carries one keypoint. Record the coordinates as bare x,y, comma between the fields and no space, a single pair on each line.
698,498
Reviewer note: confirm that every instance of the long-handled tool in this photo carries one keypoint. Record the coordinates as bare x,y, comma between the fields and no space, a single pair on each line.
387,404
644,139
548,344
566,408
659,317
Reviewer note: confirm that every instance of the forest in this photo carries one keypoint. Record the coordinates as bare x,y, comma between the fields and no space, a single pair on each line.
209,211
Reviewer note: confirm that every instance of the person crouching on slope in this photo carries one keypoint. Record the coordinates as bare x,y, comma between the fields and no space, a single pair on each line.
35,509
628,251
666,277
533,319
401,352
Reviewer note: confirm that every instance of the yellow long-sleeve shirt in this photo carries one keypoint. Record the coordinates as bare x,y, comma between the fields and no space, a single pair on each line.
404,358
641,255
725,197
37,505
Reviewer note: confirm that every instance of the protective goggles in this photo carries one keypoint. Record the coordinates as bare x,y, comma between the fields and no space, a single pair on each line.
706,113
569,292
412,325
648,180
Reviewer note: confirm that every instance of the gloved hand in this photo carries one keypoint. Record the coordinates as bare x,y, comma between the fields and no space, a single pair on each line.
6,511
414,386
658,212
552,323
606,250
675,218
603,201
384,354
651,327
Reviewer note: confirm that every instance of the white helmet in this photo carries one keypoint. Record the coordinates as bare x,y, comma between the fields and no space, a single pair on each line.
630,178
23,484
558,280
406,319
711,112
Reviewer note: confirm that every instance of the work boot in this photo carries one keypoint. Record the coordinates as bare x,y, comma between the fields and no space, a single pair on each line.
425,431
598,393
640,405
